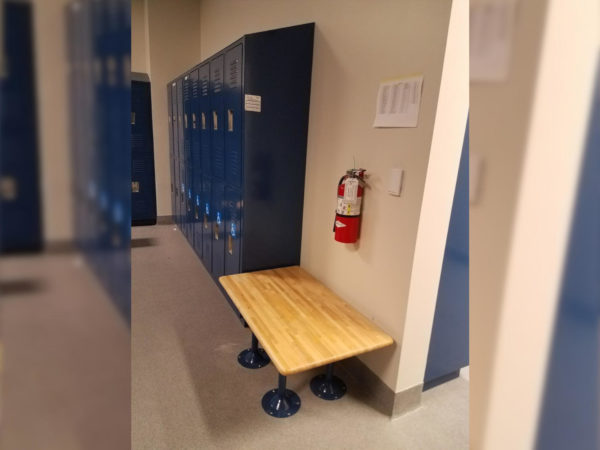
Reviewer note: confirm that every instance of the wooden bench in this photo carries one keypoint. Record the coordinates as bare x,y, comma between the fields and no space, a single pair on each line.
301,325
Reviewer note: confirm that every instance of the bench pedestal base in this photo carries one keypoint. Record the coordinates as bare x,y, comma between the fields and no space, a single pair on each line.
281,402
253,357
327,386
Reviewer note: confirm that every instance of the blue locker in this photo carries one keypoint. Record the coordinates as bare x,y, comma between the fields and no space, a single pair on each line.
143,185
252,157
233,229
187,157
205,129
233,116
218,231
20,209
206,200
217,123
176,178
196,165
181,155
171,154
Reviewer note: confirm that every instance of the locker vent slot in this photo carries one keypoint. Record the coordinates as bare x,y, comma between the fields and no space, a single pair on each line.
229,120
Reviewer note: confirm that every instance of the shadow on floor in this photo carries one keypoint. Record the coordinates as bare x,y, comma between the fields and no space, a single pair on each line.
20,287
143,242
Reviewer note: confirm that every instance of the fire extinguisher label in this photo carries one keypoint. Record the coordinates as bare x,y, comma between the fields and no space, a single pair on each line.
339,224
351,190
345,208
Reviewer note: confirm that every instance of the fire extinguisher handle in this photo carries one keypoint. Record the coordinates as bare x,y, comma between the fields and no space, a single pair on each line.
334,218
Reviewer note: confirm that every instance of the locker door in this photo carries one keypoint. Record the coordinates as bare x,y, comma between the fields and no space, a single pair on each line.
187,157
20,208
171,155
143,191
196,165
233,209
181,154
233,115
204,119
218,234
206,201
175,127
217,120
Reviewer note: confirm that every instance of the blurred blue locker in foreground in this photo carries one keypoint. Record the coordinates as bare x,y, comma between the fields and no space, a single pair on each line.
20,209
100,102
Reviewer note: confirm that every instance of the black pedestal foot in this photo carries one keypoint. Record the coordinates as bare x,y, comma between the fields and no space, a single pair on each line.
253,357
281,402
327,386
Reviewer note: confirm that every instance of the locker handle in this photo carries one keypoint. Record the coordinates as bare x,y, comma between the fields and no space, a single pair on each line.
230,245
229,120
216,231
132,117
205,221
135,186
203,119
194,121
215,121
185,120
197,213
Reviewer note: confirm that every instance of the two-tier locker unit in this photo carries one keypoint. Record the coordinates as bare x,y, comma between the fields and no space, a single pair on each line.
238,133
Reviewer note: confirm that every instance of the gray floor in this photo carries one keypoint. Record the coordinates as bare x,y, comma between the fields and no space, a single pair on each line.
188,391
66,362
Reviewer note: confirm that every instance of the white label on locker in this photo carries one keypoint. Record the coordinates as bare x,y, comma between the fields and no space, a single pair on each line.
252,103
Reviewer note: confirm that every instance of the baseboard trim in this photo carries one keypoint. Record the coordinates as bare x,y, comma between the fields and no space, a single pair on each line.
164,220
377,394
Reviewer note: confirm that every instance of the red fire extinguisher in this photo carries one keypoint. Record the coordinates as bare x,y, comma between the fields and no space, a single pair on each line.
349,200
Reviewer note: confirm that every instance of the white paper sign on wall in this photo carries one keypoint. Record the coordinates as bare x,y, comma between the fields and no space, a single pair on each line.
252,103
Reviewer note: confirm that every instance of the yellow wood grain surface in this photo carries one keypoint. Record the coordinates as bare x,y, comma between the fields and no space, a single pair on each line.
299,322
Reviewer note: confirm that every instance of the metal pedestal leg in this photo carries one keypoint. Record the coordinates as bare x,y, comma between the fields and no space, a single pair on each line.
253,357
327,386
281,402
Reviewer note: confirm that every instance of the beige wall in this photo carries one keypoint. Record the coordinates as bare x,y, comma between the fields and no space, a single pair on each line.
174,46
440,182
546,153
501,154
139,39
53,124
357,44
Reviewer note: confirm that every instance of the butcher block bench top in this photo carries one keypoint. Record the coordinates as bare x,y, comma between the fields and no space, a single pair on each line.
300,322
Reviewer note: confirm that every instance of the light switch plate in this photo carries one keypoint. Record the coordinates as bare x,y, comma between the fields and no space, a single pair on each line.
395,181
